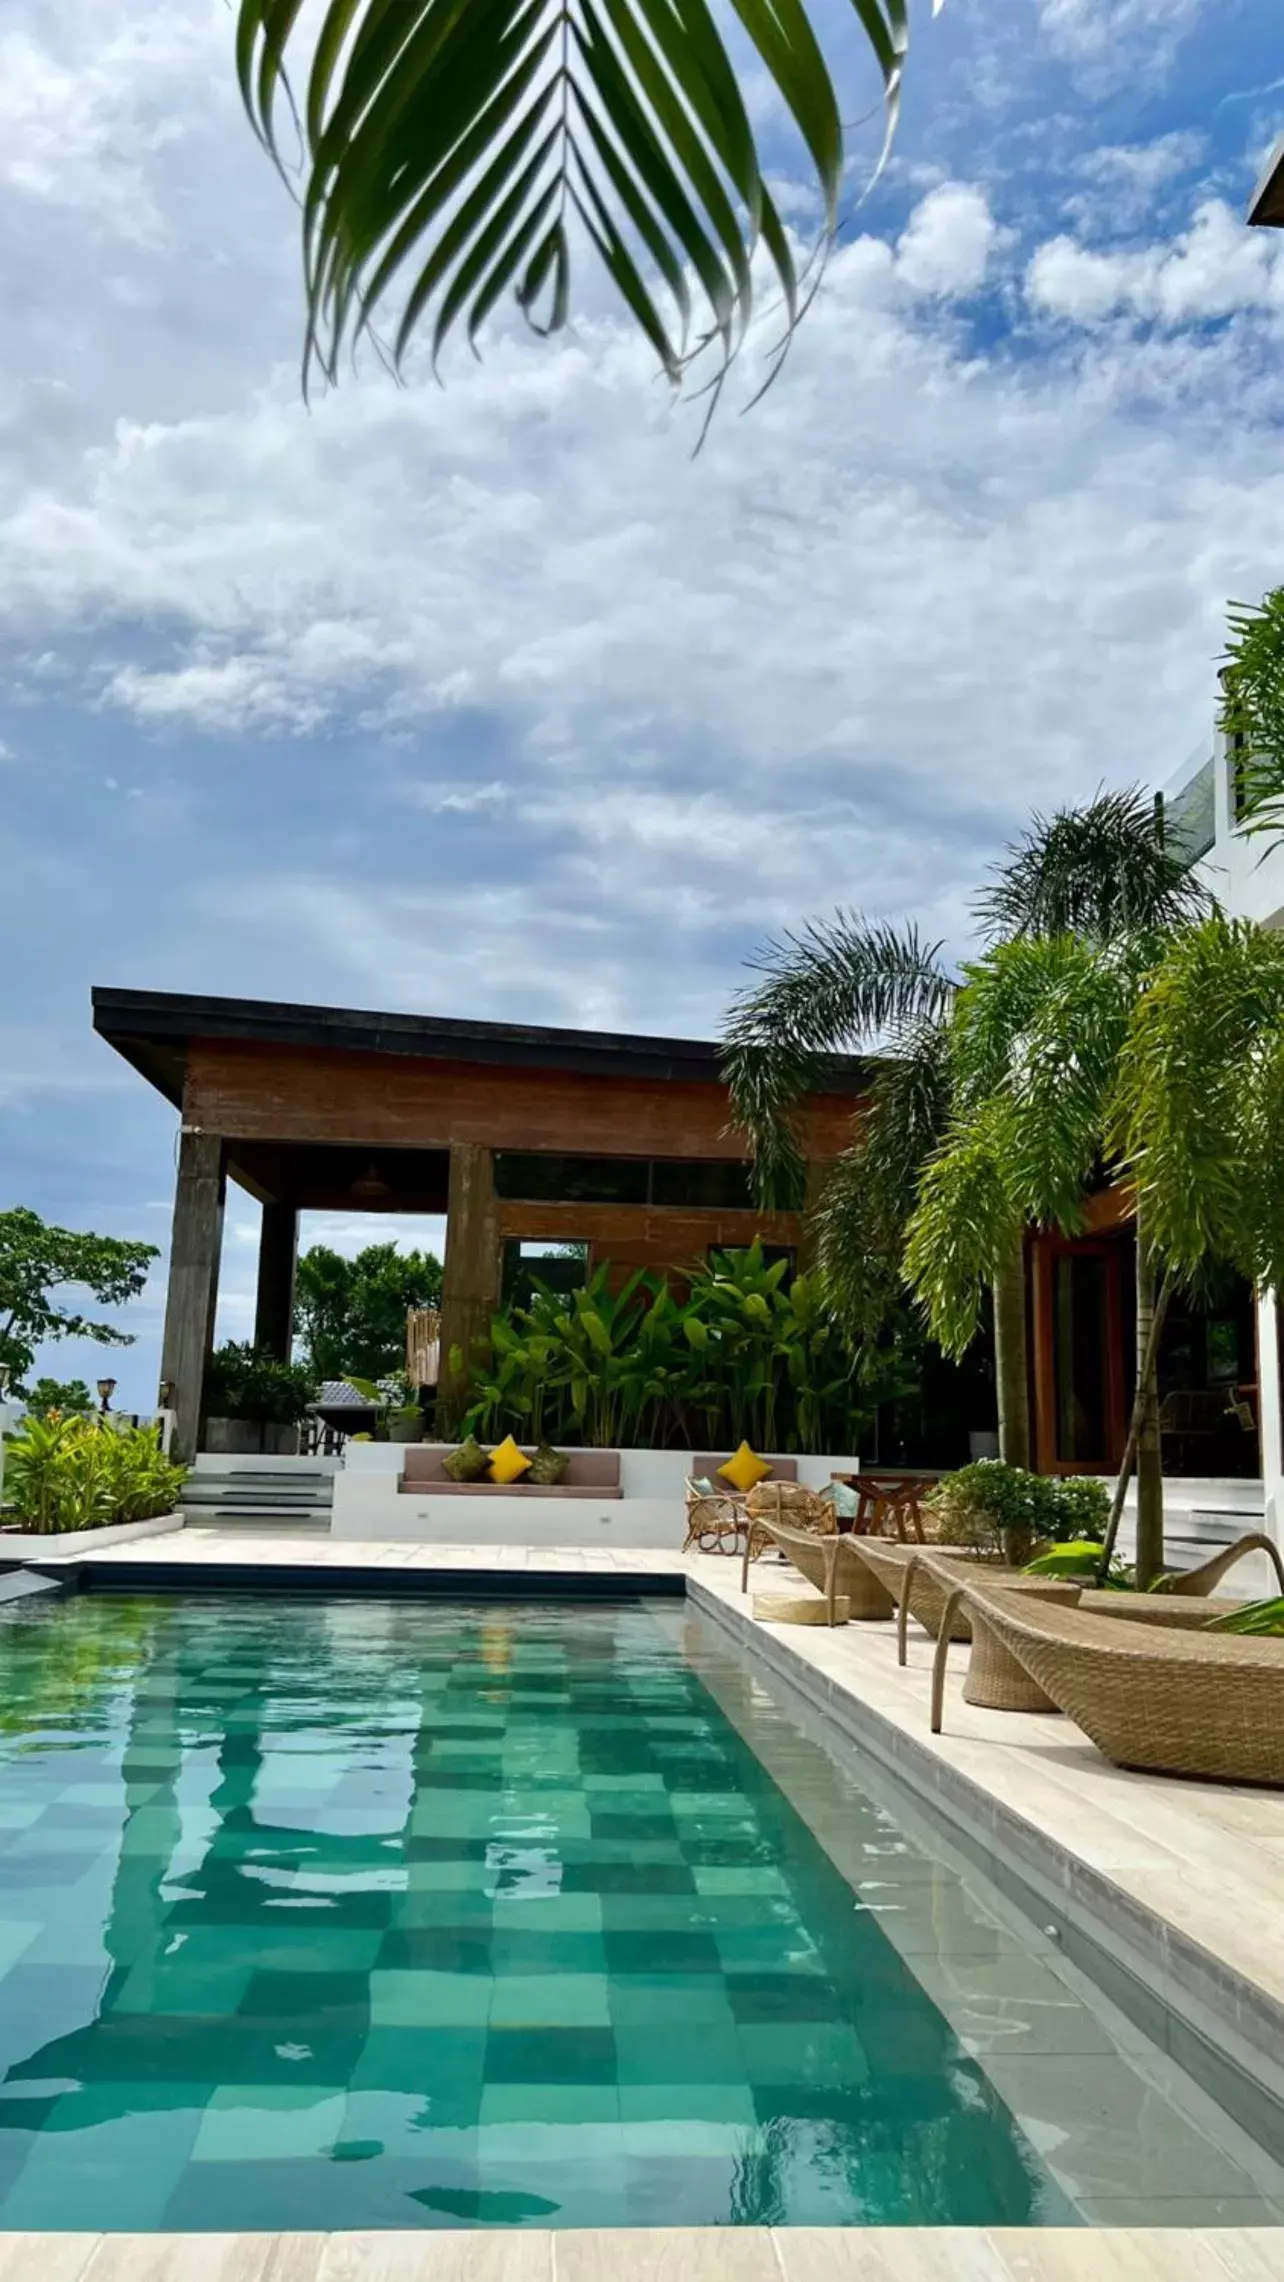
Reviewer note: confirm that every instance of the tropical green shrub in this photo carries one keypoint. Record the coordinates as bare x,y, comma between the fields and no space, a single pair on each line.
1080,1559
63,1473
744,1354
243,1381
1261,1620
994,1507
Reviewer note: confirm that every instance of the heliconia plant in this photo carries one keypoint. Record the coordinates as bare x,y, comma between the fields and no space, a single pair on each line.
743,1352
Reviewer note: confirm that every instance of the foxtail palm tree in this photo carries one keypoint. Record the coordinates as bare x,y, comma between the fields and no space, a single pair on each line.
1252,711
455,153
1100,873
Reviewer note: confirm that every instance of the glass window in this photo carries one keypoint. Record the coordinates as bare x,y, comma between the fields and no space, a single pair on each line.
707,1184
560,1267
1079,1332
546,1179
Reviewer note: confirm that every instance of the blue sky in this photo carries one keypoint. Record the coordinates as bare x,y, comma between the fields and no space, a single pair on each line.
490,699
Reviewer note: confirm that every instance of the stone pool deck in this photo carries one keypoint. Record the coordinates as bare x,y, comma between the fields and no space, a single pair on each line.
795,2254
1195,1871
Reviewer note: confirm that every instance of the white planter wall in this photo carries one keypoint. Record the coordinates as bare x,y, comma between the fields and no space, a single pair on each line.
369,1506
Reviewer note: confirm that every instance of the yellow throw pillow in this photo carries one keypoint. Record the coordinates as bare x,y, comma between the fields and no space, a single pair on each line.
745,1470
508,1463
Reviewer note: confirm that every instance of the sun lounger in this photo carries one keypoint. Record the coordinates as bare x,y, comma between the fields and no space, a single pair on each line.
1175,1701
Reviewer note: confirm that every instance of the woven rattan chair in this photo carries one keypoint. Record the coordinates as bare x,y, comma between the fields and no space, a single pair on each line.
1180,1612
833,1565
920,1580
1209,1574
1165,1699
715,1520
995,1680
790,1503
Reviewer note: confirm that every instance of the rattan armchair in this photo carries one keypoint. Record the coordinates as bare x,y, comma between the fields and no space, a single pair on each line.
715,1519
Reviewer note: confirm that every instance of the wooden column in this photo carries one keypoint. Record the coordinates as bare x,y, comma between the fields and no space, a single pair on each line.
192,1297
470,1281
274,1307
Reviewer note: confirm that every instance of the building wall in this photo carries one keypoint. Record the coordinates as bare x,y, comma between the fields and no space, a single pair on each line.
287,1093
1246,874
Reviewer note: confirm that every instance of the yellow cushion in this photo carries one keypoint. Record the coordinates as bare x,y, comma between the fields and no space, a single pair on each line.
508,1463
745,1470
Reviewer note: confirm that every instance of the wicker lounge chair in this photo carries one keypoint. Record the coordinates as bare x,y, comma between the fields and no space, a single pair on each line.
919,1580
833,1565
1179,1612
1209,1574
1173,1701
799,1509
995,1679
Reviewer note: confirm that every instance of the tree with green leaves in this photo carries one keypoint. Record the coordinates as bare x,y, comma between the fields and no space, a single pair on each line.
453,157
1251,715
1157,1062
39,1264
1100,873
67,1396
350,1315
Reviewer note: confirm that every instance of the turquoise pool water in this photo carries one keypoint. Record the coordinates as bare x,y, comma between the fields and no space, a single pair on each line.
375,1914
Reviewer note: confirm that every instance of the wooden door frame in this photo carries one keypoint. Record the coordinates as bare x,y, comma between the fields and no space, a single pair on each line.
1045,1246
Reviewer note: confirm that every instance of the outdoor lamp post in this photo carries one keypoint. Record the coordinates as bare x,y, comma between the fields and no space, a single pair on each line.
106,1389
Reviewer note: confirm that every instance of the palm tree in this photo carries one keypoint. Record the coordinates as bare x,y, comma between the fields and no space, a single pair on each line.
454,151
1161,1056
1100,873
1252,710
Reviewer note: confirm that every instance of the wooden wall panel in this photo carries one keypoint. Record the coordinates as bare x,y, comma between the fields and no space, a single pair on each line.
641,1236
258,1092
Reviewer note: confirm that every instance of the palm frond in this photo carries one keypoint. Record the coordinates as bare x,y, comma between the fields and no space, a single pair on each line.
844,984
1198,1106
870,1192
1102,870
1040,1026
1252,711
966,1220
453,149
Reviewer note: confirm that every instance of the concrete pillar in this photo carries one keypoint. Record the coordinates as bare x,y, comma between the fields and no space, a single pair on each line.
470,1280
278,1252
192,1298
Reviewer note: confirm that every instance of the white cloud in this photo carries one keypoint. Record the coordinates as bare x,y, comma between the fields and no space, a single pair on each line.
1108,37
946,245
461,799
1213,270
86,101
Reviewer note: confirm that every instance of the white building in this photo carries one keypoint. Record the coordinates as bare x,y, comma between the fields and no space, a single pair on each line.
1245,871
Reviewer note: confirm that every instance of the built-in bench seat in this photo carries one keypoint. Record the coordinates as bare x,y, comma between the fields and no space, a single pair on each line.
590,1474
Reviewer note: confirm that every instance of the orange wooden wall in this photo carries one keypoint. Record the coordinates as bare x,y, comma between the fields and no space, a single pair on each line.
306,1094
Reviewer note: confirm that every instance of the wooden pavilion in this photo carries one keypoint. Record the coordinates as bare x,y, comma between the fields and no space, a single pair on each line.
514,1132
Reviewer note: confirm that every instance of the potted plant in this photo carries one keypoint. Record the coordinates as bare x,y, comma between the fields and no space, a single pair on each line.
254,1402
404,1415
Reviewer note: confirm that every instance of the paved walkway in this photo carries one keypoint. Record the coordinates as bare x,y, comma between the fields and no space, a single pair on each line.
796,2254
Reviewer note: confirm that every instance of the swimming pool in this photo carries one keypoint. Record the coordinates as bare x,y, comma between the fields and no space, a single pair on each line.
354,1914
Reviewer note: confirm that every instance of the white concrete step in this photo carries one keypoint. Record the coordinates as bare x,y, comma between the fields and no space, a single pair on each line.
292,1496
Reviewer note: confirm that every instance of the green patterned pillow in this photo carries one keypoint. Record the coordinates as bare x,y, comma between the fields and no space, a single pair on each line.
468,1463
548,1467
843,1498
